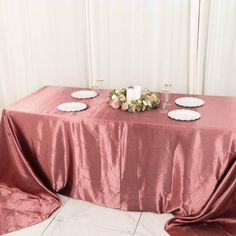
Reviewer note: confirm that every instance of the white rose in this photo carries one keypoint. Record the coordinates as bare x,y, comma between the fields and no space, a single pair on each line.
113,97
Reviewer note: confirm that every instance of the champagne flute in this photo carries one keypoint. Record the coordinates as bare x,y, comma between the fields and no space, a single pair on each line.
99,82
167,87
95,87
164,99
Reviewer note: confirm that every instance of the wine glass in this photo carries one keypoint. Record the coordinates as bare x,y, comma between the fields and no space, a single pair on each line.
164,99
95,87
99,83
167,88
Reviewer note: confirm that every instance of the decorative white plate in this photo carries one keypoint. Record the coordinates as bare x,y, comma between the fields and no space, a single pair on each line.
189,102
84,94
71,106
184,115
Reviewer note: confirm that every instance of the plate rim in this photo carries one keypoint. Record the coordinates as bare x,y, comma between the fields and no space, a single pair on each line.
203,102
84,90
199,114
86,106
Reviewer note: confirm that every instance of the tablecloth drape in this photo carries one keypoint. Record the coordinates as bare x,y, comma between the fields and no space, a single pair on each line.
132,161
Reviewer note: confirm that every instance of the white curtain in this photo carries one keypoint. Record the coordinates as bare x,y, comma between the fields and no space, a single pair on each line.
217,47
41,43
124,42
76,42
143,42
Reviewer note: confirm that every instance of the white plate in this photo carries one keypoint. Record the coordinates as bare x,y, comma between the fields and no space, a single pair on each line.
185,115
189,102
84,94
71,106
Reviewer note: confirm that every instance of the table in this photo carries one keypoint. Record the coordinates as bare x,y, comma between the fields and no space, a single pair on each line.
131,161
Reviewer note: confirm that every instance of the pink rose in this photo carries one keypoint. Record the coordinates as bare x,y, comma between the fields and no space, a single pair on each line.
115,104
124,107
133,108
122,97
149,103
144,108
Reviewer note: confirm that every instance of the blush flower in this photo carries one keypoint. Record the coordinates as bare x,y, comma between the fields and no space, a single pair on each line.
115,104
122,97
125,106
133,108
149,103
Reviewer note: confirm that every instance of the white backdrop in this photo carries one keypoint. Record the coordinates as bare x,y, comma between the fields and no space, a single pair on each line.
142,42
41,42
218,53
146,42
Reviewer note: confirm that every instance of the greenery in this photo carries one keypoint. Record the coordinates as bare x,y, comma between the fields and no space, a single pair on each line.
146,102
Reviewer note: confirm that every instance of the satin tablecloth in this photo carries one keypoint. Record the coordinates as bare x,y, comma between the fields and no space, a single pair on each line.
132,161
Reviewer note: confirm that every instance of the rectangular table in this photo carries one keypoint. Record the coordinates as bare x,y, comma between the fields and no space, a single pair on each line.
131,161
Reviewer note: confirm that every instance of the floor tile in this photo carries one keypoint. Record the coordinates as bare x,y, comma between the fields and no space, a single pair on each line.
152,224
80,229
37,229
87,219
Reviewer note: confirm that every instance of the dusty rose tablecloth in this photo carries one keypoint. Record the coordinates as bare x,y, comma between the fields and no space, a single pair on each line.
141,161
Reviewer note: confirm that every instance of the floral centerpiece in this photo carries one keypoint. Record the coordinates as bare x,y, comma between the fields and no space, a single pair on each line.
146,102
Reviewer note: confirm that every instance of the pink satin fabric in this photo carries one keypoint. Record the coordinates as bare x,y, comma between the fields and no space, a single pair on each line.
131,161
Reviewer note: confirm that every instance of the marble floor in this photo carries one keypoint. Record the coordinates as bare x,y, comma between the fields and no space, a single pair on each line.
76,217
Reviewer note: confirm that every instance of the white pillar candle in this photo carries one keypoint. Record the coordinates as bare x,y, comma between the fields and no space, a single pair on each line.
130,94
137,92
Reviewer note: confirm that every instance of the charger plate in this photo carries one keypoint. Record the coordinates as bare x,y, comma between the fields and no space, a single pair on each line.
71,106
184,115
189,102
84,94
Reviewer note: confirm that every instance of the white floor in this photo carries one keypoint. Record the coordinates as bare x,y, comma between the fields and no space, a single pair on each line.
81,218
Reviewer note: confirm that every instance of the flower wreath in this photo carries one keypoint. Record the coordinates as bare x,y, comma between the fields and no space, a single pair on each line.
146,102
